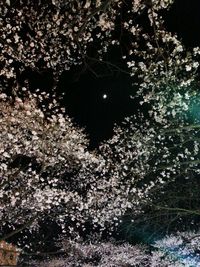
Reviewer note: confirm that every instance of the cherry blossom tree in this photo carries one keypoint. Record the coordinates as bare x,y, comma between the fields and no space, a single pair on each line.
47,173
159,151
99,254
53,34
46,168
158,161
180,250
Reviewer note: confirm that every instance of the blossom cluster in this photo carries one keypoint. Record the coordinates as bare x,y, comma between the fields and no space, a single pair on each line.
46,169
39,157
178,250
163,69
100,254
47,172
53,34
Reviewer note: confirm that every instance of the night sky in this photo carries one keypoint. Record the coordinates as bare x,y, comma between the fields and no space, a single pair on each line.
97,95
96,103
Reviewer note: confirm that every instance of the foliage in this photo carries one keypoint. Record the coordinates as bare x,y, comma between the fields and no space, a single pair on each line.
47,173
179,250
160,169
46,169
43,165
103,254
53,34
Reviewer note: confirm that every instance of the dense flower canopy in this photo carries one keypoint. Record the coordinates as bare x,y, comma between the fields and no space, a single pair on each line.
177,250
56,35
38,156
53,34
47,172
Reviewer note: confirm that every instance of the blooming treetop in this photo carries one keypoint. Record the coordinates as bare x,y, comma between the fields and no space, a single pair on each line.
47,172
138,160
37,157
56,33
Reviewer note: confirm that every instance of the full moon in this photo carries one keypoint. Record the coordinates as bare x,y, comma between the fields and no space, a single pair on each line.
104,96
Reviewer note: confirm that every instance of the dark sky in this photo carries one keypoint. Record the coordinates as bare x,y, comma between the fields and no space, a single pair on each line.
97,102
184,19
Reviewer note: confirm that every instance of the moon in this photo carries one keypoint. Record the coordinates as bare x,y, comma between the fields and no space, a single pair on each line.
105,96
